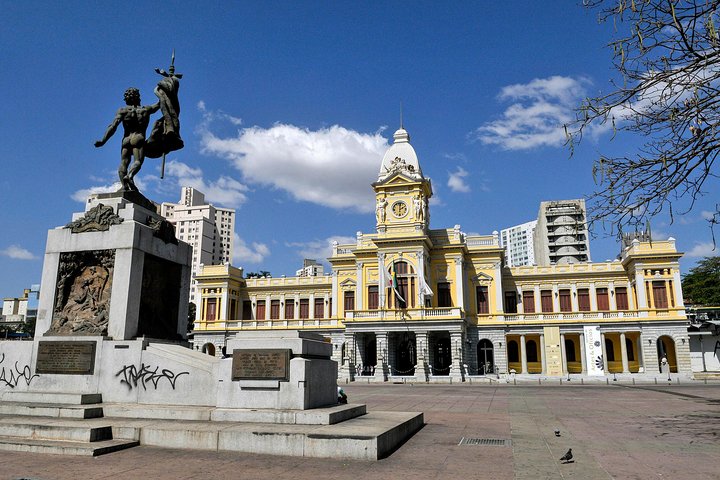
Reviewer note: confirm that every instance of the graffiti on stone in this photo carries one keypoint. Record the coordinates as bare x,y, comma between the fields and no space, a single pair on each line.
11,376
146,375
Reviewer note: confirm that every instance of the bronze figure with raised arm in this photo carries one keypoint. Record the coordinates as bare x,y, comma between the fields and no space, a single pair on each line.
135,120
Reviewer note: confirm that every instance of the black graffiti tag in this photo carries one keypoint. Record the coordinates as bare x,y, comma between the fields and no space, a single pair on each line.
11,377
132,376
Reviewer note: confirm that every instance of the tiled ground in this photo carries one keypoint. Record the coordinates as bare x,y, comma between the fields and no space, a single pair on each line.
627,432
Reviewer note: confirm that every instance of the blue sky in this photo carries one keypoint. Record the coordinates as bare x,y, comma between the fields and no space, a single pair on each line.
287,108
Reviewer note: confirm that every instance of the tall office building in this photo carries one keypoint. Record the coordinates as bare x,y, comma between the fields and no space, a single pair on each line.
208,229
561,234
518,244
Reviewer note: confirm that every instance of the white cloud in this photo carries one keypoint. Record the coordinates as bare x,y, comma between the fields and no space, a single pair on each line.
244,253
703,249
320,250
83,194
18,253
707,215
332,166
224,191
536,117
456,180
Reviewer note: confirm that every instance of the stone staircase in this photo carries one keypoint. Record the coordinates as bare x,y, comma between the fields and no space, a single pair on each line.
61,423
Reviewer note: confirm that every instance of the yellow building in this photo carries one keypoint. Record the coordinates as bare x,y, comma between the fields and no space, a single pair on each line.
408,301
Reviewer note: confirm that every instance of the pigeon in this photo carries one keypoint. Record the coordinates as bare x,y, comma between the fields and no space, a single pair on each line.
557,432
567,457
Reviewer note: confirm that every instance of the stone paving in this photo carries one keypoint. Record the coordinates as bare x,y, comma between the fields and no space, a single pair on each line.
616,431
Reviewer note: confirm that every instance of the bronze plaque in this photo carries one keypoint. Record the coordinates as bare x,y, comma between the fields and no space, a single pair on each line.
66,358
261,364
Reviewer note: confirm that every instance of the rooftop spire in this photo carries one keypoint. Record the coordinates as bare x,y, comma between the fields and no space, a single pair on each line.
401,118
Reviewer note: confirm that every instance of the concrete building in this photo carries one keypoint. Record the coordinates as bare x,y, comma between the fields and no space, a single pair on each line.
518,242
20,310
407,301
561,234
311,268
208,229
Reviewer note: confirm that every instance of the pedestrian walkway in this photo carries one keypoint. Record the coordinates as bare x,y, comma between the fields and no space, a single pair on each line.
616,431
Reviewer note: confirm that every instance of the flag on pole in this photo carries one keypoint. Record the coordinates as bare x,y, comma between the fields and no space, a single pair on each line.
393,283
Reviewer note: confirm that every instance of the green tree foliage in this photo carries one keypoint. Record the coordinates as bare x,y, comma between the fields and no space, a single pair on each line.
667,56
260,274
701,286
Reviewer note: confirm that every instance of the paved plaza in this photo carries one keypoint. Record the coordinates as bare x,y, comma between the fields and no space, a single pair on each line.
616,431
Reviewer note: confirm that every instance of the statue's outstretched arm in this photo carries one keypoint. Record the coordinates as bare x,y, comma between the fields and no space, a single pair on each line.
111,129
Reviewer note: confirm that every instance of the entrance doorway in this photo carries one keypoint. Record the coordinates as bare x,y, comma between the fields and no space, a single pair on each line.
486,357
442,356
666,349
405,359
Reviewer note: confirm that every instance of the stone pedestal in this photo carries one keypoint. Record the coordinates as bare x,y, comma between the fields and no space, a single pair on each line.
116,271
257,377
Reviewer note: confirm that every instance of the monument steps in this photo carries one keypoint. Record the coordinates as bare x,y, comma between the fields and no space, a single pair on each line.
51,410
62,447
184,356
52,397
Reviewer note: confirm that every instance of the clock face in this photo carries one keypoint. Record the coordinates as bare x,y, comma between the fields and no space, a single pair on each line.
399,209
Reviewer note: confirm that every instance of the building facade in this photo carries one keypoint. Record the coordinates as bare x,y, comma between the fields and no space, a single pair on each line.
518,242
410,302
561,235
208,229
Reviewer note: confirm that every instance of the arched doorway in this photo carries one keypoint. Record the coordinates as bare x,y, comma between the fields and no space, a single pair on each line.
513,356
442,357
486,357
405,356
209,348
369,357
666,349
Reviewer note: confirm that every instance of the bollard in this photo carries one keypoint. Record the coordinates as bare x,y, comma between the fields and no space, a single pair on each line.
705,381
655,380
514,381
607,381
561,381
633,381
539,383
678,380
582,381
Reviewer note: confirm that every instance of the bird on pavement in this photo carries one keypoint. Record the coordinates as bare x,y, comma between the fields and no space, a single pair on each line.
557,432
567,457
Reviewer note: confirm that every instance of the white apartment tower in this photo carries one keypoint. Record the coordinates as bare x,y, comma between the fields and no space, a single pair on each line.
208,229
518,244
561,235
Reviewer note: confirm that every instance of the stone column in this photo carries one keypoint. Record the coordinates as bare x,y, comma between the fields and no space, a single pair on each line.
563,354
382,367
335,296
611,296
623,351
359,304
459,282
593,297
456,353
422,369
542,354
583,361
311,307
536,300
523,355
604,353
267,307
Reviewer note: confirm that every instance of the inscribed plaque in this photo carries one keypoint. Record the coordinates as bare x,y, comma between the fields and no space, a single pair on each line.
261,364
66,358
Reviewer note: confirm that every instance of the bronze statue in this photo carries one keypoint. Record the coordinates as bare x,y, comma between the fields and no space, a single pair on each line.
165,135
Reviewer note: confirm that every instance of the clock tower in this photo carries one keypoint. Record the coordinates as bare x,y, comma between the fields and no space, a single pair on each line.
401,191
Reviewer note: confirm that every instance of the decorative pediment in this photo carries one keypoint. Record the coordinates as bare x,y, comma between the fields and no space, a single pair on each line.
347,283
482,278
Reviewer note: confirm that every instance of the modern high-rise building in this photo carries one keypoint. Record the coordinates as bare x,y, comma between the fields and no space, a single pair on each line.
208,229
518,244
311,268
561,234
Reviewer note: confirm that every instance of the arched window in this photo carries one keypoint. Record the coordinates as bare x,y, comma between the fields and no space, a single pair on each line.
531,351
512,348
405,296
609,350
570,350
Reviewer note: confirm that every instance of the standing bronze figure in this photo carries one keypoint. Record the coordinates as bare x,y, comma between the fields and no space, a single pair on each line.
135,118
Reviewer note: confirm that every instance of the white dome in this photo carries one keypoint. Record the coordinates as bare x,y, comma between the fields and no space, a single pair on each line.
400,156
